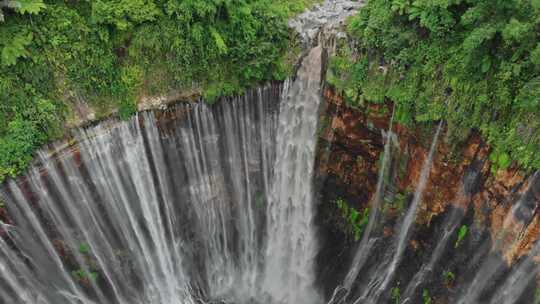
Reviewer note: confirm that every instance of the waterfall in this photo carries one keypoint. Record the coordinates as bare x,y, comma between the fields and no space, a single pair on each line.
449,228
379,284
364,248
367,242
292,244
199,203
492,267
519,279
215,204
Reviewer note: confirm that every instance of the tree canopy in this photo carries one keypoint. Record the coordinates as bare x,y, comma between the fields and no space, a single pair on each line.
108,52
473,63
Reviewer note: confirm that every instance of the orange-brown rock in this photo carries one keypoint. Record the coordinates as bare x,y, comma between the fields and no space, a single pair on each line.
353,144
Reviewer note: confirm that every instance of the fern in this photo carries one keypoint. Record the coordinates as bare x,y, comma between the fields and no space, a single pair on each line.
16,48
220,43
32,7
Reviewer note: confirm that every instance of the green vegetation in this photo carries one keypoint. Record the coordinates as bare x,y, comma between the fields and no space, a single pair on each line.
426,298
84,249
356,221
398,201
473,63
395,295
260,200
82,275
107,53
499,161
448,277
462,233
21,7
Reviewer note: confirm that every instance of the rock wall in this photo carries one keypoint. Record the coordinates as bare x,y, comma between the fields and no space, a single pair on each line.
499,211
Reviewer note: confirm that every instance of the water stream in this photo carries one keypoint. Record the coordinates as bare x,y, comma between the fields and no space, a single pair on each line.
291,247
381,281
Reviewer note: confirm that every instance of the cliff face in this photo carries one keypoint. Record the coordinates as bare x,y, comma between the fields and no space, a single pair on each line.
497,212
486,219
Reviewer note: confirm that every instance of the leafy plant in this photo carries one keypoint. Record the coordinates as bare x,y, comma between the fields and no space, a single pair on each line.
84,248
499,160
356,221
84,275
462,233
15,48
448,277
395,295
426,298
22,7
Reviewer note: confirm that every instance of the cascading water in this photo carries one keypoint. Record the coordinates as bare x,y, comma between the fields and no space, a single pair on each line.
367,242
379,283
492,282
491,267
174,211
291,247
449,228
215,204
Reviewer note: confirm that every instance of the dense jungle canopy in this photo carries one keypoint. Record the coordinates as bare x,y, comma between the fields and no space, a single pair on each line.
109,52
473,63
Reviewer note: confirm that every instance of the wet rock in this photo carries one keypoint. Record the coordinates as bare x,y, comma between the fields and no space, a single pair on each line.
527,206
472,178
508,201
330,14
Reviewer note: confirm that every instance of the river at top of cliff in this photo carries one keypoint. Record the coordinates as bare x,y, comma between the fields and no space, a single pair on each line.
330,15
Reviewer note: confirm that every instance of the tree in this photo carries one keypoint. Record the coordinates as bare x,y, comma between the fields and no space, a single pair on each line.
21,6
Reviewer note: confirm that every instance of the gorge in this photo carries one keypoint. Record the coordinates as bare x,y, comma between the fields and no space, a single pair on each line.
284,194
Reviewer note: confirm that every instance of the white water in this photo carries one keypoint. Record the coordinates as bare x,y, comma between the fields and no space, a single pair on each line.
380,282
519,279
214,206
367,242
492,266
291,247
165,213
449,229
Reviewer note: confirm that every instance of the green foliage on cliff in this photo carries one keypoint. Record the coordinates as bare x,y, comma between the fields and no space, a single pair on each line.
355,221
462,233
449,277
537,296
107,53
473,63
395,294
426,298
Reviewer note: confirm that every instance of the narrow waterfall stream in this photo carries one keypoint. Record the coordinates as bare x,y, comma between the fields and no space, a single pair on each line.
380,282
